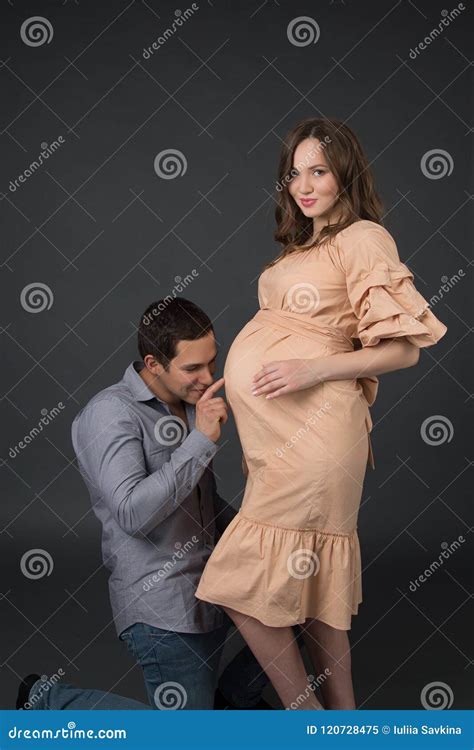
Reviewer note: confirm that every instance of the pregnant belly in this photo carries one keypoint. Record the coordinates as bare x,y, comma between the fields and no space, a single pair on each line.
265,425
292,443
258,344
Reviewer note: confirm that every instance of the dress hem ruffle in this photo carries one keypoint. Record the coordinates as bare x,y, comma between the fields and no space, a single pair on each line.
324,582
250,612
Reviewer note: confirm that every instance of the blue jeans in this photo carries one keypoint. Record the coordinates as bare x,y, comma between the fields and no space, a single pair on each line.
62,697
180,671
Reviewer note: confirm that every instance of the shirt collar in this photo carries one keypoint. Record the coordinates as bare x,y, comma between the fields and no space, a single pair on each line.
136,384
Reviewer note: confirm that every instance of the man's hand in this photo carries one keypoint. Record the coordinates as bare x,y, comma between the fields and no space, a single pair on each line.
210,412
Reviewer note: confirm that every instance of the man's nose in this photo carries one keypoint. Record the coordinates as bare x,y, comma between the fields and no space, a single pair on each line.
208,379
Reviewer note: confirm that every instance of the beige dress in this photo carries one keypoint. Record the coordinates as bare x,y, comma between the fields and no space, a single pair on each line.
292,551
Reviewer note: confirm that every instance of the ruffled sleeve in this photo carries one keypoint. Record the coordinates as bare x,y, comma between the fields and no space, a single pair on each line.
381,291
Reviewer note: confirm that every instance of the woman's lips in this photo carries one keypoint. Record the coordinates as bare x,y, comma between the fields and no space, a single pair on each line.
307,202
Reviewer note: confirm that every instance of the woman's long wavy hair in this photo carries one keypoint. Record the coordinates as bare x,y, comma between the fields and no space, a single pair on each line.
357,196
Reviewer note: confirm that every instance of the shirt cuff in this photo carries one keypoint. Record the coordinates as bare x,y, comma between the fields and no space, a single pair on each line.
199,445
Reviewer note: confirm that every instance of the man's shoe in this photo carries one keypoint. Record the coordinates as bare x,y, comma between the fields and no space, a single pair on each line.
221,704
261,706
24,691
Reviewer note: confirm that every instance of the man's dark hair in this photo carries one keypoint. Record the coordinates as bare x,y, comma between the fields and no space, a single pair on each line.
168,321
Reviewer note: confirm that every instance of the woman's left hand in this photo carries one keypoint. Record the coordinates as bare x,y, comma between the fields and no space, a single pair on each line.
285,376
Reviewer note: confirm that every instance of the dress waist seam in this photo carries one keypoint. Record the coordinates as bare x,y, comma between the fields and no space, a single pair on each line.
298,326
287,528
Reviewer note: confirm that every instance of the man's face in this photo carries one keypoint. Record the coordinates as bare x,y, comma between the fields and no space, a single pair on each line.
192,370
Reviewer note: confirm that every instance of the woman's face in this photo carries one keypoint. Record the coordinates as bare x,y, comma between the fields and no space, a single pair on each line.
313,187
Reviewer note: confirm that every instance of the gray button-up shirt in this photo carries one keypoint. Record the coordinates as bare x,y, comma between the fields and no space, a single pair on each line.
152,488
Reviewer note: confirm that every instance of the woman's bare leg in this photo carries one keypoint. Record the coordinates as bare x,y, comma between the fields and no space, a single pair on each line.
330,649
278,654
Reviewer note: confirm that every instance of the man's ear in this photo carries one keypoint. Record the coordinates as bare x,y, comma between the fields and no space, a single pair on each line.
153,365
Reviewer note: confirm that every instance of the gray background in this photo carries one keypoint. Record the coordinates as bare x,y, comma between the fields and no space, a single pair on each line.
108,236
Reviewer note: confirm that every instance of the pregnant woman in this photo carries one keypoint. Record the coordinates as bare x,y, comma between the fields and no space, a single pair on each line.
337,308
